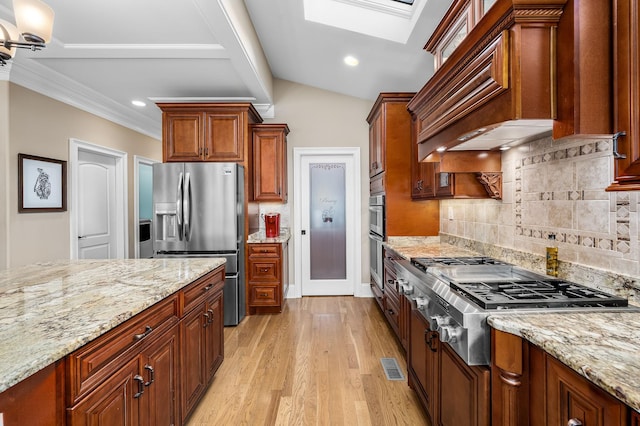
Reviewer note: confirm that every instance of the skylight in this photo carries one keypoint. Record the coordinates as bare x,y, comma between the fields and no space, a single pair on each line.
388,19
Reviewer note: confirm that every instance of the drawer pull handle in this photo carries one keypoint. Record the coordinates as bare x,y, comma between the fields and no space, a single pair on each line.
210,316
264,269
207,288
264,294
574,422
152,374
138,378
146,332
616,154
206,319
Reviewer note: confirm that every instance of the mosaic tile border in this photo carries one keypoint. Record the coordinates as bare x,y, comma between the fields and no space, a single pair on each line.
622,242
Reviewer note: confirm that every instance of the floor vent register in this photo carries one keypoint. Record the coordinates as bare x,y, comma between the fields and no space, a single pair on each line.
391,369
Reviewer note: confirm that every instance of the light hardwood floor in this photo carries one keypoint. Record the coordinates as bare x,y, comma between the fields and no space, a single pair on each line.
317,363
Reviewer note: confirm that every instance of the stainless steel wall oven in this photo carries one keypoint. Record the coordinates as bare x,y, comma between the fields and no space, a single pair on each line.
376,238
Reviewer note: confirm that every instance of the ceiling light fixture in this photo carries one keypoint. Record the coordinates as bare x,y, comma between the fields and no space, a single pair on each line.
138,103
351,61
34,25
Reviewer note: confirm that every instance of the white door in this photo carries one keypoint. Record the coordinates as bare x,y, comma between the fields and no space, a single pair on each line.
328,219
97,237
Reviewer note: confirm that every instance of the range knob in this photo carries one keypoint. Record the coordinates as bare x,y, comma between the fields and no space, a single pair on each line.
422,302
405,287
450,333
440,320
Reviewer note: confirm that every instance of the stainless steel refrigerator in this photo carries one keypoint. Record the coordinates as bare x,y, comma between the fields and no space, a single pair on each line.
199,212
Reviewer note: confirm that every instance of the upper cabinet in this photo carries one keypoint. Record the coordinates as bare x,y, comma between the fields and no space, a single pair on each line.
626,96
269,168
496,64
206,131
390,142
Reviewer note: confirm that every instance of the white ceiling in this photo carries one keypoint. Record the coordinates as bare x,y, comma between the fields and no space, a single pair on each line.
106,53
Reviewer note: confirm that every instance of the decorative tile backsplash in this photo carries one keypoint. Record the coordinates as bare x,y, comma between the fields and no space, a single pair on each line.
557,189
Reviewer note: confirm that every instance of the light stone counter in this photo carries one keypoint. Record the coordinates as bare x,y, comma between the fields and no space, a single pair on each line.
602,347
48,310
409,247
261,237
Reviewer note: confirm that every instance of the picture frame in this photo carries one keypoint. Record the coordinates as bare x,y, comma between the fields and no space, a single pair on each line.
42,184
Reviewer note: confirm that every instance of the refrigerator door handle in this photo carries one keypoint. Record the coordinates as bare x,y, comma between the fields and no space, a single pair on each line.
187,206
179,196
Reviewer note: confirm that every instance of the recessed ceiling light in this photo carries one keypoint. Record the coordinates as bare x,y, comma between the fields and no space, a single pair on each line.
351,61
138,103
441,149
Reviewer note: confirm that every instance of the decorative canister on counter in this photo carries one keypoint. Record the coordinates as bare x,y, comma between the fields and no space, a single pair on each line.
272,224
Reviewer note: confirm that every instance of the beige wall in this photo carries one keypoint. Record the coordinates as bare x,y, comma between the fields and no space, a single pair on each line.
557,187
318,118
42,126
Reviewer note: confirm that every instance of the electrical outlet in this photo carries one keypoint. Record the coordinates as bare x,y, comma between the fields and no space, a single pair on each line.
450,212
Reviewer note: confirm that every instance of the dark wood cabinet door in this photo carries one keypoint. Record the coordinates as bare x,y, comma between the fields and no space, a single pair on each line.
569,396
159,370
376,145
182,133
214,339
192,343
464,391
423,360
627,95
114,402
422,174
223,136
635,419
270,162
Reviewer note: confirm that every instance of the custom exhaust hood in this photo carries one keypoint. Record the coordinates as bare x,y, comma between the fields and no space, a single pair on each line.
495,83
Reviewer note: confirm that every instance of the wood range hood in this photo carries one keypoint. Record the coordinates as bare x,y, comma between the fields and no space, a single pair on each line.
498,86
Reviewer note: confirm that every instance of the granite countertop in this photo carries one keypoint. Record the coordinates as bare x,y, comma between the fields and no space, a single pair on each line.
261,237
602,347
50,309
409,247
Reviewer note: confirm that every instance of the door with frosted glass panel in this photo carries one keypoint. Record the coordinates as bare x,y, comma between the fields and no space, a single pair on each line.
327,215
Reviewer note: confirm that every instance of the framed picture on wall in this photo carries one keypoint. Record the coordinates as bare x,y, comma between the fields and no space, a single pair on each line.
42,184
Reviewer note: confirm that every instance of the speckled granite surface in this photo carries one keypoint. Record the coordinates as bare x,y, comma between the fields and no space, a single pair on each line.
260,237
603,347
409,247
47,310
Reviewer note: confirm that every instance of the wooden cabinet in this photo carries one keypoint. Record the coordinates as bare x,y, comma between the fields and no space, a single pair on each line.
267,277
464,391
422,173
206,132
153,368
395,306
635,419
390,146
531,387
626,95
422,362
202,346
376,143
584,42
452,392
571,397
36,400
269,162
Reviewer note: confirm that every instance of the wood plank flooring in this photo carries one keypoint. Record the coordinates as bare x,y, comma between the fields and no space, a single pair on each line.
317,363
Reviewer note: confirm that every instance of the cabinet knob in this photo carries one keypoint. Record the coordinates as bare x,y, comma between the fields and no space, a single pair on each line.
574,422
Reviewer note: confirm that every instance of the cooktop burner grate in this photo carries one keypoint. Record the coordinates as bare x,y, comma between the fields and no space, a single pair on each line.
534,294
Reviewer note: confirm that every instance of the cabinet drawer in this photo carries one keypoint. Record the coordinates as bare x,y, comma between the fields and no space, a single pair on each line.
264,294
264,270
264,250
194,293
96,361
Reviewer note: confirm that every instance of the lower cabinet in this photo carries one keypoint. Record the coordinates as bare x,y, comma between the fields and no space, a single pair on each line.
267,277
452,392
154,368
532,387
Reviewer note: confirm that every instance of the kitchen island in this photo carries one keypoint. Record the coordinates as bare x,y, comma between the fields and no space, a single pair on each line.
51,309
